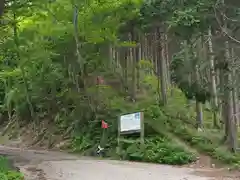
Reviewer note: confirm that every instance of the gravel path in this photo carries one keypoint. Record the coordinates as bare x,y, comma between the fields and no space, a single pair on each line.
109,170
45,165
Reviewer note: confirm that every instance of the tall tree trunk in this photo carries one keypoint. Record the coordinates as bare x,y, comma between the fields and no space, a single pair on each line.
114,58
186,58
199,111
229,102
213,79
117,59
144,46
139,58
235,94
199,115
133,60
2,4
110,54
155,51
222,97
231,134
125,71
163,69
167,60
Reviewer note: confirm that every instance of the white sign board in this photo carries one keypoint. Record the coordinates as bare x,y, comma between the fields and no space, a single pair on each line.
130,122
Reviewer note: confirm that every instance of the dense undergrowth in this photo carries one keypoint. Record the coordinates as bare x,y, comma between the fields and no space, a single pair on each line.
157,150
158,147
176,119
164,126
6,173
209,141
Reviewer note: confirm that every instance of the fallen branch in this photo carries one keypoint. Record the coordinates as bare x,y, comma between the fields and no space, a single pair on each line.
9,125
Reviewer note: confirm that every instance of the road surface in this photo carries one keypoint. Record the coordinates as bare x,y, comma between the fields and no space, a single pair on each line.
45,165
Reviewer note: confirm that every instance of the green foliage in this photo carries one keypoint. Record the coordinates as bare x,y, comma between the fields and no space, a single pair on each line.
157,150
191,17
205,144
11,175
4,164
81,143
180,76
52,52
6,173
178,118
183,18
204,141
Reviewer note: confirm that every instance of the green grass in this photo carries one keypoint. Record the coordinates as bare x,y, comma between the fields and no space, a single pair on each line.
6,173
180,122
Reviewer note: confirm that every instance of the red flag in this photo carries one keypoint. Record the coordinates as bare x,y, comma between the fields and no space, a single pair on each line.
104,124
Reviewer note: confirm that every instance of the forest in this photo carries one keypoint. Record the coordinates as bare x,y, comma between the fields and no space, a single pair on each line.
66,65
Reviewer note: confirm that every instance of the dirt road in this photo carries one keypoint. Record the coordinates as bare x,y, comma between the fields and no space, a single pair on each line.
44,165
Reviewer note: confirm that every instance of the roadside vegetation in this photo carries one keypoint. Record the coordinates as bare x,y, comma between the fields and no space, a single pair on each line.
6,171
68,65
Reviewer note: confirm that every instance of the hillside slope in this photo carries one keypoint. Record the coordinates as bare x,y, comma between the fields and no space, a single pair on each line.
170,134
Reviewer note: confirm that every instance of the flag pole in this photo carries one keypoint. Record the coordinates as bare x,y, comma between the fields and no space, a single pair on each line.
103,138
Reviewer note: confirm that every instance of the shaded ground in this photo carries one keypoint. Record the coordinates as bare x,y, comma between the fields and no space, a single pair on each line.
54,165
46,165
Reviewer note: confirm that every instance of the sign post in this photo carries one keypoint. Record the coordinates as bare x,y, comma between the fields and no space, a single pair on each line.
130,124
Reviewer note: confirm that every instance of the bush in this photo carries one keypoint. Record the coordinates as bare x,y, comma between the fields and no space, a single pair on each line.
156,150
